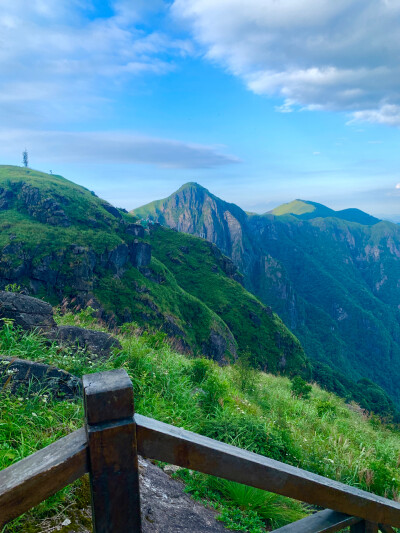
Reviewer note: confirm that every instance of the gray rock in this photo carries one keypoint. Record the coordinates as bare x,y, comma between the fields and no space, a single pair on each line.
217,345
16,373
167,509
97,342
46,210
135,229
140,253
112,210
27,312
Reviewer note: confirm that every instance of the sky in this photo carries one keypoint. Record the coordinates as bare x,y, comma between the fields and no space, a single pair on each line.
260,101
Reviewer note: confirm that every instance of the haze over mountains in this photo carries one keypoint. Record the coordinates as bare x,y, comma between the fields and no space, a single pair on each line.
333,276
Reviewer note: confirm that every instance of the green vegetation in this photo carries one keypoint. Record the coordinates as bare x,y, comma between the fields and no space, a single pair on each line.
331,276
308,210
200,269
83,257
257,412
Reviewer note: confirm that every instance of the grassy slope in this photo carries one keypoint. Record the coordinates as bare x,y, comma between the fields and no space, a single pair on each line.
197,271
252,410
310,210
152,301
80,206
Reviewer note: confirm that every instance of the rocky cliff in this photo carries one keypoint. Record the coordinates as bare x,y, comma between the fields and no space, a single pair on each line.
334,281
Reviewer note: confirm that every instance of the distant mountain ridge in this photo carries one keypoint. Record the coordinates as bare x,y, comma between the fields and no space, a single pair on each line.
335,282
307,210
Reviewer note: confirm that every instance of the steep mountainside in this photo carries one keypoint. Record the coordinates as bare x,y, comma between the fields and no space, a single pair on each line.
334,282
58,240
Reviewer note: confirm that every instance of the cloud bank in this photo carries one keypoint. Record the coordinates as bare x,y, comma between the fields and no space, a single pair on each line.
111,147
326,55
61,58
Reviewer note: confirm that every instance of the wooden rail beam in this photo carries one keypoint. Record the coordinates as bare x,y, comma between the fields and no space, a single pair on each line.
33,479
157,440
323,522
111,433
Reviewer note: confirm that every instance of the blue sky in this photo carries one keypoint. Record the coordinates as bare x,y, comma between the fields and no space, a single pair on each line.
262,101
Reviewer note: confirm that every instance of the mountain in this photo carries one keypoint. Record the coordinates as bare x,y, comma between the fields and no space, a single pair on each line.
333,281
60,242
308,210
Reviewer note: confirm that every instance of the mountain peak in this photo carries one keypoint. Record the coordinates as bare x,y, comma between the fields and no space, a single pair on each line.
191,185
306,210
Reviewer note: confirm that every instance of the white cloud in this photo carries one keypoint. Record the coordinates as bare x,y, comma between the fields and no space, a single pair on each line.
61,54
111,147
338,55
398,186
386,114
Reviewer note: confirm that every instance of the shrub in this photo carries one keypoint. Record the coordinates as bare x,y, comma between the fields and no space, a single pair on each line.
300,388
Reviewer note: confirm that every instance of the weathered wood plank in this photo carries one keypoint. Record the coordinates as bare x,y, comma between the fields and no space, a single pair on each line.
157,440
358,528
386,529
327,521
33,479
111,431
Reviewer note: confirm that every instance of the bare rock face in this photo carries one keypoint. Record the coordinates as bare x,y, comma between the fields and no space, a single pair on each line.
98,343
135,229
167,509
16,373
27,312
217,345
46,210
140,253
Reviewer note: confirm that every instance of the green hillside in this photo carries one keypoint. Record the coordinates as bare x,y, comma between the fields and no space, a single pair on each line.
307,210
253,410
60,241
331,276
201,270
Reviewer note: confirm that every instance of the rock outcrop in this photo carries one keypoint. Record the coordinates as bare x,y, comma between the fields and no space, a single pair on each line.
27,312
33,314
20,373
98,343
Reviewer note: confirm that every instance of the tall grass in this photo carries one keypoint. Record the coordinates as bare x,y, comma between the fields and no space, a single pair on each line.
258,412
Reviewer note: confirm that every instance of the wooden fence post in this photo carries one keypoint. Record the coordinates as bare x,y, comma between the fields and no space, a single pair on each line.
113,464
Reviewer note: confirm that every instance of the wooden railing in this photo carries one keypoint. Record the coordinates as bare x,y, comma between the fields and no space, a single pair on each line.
107,449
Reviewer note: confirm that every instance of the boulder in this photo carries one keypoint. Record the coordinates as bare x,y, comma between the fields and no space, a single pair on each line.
16,373
27,312
97,342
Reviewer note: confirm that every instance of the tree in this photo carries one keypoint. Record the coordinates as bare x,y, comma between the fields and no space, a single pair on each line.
25,157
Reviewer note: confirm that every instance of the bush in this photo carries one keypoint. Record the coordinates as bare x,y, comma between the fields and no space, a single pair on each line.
300,388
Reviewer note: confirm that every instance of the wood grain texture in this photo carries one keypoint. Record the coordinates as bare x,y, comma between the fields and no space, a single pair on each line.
167,443
386,529
108,396
323,522
111,432
35,478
